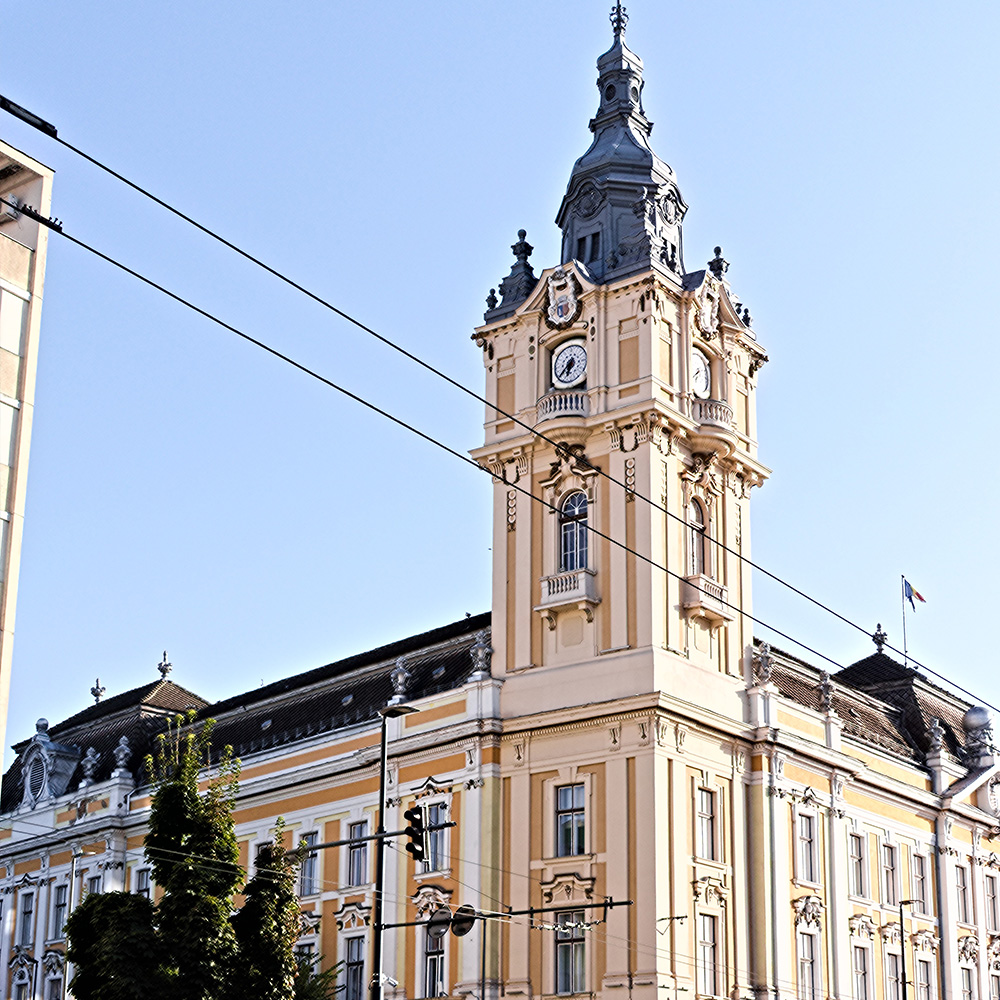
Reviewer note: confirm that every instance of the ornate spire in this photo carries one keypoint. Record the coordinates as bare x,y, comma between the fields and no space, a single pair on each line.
622,211
164,666
97,691
517,286
880,638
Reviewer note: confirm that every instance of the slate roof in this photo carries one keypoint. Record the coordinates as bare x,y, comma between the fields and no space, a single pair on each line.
322,700
881,702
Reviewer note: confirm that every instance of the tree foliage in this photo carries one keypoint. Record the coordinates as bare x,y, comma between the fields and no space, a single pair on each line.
190,945
313,984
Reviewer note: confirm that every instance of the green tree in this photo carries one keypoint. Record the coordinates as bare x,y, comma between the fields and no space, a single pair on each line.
311,984
115,950
267,926
193,848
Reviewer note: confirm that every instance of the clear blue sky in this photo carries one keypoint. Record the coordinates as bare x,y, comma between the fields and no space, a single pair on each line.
187,492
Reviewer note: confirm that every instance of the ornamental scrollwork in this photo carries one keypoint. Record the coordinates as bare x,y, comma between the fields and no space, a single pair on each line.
968,948
925,940
808,910
861,925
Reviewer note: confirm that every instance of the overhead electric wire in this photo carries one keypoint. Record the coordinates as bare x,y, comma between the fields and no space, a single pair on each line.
51,131
312,373
47,129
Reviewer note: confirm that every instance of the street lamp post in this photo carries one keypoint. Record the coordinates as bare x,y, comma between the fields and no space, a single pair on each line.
902,943
389,712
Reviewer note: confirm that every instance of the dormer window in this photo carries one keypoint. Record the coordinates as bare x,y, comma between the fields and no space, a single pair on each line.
36,777
588,248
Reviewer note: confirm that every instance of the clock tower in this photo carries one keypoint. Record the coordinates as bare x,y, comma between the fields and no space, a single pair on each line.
622,438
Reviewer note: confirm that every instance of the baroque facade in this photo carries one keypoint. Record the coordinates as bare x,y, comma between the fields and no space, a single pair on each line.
611,731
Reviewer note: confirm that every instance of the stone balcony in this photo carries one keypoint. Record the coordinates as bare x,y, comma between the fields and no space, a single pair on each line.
563,403
701,596
573,589
716,431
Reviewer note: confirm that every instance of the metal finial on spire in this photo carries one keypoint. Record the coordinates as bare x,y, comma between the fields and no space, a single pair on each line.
619,18
97,691
164,666
879,638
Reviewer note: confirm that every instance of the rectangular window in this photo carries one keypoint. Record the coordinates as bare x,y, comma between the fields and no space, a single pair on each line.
59,906
309,872
889,894
992,910
807,848
706,824
570,816
26,932
143,885
994,987
21,992
437,813
962,893
893,980
968,985
856,863
354,968
357,854
53,989
919,883
570,951
924,985
708,970
808,980
93,884
433,966
860,973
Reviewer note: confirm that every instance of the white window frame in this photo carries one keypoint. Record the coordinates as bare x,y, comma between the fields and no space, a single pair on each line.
357,854
574,547
708,955
26,920
963,900
58,933
893,962
967,983
861,973
994,986
922,990
889,874
807,848
808,958
437,859
309,881
918,886
571,942
991,902
857,865
350,967
706,825
435,966
95,885
573,810
143,882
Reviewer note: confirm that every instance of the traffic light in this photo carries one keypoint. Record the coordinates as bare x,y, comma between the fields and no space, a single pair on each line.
417,847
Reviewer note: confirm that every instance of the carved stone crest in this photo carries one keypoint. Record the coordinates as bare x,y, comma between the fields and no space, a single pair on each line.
429,898
563,304
890,932
968,948
710,889
808,910
861,925
925,940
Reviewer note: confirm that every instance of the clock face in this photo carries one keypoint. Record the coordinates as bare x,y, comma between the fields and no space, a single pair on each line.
569,365
701,375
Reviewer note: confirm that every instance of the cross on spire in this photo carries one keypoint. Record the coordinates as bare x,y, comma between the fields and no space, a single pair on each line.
619,18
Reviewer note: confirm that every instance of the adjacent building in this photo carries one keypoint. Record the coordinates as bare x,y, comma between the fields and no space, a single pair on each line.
611,731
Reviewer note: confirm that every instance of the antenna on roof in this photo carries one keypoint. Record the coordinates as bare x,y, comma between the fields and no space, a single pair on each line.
164,666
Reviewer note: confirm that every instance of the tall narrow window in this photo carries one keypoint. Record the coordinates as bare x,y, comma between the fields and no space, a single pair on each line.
893,978
706,824
21,991
53,988
968,984
595,246
93,885
59,908
143,885
573,532
807,848
919,902
860,973
992,907
924,985
856,863
889,894
962,893
570,953
357,854
437,813
696,538
26,931
433,966
309,872
808,978
708,970
994,987
354,968
570,820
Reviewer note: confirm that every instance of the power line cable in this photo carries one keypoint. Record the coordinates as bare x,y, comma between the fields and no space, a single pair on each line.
50,130
312,373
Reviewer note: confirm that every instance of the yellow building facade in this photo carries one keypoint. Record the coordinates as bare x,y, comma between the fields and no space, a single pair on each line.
611,732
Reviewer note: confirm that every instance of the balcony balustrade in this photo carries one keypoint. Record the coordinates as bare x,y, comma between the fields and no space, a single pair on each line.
563,403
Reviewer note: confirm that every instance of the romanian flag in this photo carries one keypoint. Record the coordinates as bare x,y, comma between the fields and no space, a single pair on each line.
909,594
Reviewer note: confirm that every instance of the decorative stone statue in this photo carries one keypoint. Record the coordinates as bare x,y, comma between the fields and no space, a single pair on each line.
482,651
89,764
123,754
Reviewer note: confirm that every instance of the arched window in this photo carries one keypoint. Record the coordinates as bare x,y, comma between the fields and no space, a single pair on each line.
696,539
573,532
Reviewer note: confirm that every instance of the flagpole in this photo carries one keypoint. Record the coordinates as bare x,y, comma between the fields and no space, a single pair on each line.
902,591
